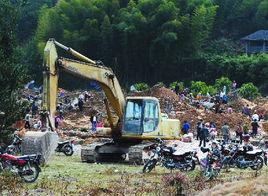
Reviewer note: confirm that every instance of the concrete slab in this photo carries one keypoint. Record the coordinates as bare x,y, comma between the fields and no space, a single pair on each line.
43,143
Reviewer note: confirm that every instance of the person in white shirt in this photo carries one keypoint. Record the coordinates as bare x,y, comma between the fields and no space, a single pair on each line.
255,117
27,121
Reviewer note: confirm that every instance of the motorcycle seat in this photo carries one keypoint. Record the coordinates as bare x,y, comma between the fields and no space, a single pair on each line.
26,157
63,142
181,153
254,151
204,150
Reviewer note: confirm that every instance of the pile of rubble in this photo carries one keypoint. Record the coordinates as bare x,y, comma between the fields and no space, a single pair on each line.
168,100
76,123
261,106
175,108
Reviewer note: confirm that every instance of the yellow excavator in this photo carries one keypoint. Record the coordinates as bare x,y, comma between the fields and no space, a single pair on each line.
136,120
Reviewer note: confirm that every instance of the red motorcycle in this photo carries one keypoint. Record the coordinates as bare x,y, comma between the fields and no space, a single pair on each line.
27,167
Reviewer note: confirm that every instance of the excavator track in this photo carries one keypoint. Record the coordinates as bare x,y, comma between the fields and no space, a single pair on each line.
89,154
93,153
136,153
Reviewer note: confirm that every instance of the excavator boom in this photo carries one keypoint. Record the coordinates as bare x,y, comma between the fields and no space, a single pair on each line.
86,68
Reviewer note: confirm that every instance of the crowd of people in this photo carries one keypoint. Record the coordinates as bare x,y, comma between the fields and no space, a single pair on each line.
35,119
209,131
204,131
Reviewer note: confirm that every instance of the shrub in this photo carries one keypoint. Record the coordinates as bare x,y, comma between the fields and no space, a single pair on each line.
221,82
199,87
161,84
249,91
212,90
142,86
174,84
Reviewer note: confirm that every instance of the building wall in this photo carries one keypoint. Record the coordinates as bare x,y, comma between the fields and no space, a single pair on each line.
256,46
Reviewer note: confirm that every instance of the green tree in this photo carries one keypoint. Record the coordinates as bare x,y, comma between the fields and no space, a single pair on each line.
199,87
12,74
27,20
262,14
222,82
249,91
106,43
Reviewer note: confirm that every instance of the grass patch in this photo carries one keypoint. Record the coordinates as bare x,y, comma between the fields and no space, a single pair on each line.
69,176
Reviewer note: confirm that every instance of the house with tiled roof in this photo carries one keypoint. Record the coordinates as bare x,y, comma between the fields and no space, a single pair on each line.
256,42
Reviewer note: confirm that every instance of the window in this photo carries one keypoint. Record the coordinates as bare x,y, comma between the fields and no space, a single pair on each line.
133,115
151,118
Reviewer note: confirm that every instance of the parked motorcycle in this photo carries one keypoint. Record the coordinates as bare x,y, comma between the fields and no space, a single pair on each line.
27,167
244,157
15,147
210,165
169,158
66,147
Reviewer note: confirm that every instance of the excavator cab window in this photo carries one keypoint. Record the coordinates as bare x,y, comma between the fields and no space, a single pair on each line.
150,120
141,116
133,116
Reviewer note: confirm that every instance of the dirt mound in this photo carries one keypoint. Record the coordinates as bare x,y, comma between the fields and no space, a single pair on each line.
262,107
232,119
170,103
168,99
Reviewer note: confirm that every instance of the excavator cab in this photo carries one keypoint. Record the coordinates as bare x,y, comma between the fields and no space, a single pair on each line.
141,116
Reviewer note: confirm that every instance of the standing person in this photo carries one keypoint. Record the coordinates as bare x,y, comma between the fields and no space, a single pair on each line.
199,126
239,132
204,134
246,110
86,96
217,107
229,110
27,121
57,121
255,116
255,127
212,130
177,89
93,120
234,85
80,104
225,130
185,127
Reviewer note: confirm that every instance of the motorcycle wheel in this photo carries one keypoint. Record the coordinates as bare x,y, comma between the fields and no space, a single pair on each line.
148,167
68,150
258,163
190,167
207,174
30,172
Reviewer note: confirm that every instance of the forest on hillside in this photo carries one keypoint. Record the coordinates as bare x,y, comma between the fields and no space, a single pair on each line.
141,40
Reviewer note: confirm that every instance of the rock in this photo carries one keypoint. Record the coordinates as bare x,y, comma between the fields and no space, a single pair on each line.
43,143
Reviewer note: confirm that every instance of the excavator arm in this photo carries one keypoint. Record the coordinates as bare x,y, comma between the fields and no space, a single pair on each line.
87,69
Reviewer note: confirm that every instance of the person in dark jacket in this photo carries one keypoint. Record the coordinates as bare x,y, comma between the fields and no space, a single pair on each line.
255,127
199,126
239,131
204,135
80,104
